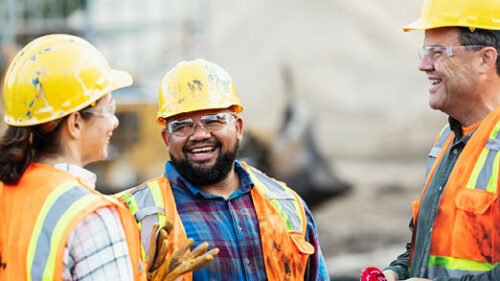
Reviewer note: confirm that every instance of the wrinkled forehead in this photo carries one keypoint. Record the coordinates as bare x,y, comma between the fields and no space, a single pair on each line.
442,36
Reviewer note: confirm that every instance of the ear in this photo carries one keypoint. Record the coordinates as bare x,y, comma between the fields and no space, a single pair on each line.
488,59
239,128
74,125
165,136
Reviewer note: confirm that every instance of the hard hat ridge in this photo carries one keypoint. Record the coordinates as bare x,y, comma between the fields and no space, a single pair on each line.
55,75
195,85
484,14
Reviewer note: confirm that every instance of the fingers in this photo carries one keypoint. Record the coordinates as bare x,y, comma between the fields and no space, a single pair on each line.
198,251
189,265
179,253
152,248
203,260
168,226
163,251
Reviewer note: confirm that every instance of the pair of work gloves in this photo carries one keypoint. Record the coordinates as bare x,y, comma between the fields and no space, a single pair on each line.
164,263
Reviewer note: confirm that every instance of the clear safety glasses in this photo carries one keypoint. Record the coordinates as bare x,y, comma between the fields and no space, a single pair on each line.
210,123
107,111
436,52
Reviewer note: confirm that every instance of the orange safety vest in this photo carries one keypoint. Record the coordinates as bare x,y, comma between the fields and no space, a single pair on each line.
465,237
282,222
37,216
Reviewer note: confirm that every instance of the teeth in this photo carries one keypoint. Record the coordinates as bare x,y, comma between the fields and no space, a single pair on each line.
202,149
435,81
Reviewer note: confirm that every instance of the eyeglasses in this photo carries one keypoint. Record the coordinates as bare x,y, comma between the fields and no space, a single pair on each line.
436,52
210,123
108,111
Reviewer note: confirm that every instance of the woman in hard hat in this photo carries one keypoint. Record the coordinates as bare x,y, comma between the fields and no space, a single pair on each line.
61,116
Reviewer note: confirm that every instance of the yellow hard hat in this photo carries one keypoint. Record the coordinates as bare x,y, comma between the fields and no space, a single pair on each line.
195,85
55,75
484,14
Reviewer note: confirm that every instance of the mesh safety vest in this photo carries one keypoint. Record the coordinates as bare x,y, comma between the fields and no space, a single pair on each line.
38,214
465,237
282,222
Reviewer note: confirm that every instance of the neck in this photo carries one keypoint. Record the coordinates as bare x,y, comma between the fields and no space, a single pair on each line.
225,187
487,100
51,160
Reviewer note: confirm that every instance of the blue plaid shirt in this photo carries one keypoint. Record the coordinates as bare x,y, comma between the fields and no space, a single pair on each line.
232,226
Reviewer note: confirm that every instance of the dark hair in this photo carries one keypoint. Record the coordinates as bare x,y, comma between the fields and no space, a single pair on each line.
20,146
484,37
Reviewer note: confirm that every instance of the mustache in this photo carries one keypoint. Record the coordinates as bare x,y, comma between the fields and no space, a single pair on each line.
192,144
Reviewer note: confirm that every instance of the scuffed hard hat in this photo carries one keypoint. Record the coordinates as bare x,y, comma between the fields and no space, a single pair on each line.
195,85
55,75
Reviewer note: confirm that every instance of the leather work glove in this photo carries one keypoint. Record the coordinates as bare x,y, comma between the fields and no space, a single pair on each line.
165,264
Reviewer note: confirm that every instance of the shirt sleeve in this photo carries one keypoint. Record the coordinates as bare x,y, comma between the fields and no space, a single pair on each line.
97,249
400,264
316,267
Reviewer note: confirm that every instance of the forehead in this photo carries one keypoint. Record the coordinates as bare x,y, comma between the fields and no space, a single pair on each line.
443,36
197,114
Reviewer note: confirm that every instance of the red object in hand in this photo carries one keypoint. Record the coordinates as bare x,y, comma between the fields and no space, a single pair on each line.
372,274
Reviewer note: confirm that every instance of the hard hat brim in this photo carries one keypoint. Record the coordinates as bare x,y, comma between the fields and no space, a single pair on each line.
418,25
120,79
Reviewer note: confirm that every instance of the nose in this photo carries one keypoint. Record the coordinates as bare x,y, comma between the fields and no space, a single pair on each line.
199,133
115,121
426,64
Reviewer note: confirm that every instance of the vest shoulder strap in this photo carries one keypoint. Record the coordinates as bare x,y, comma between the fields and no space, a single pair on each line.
286,202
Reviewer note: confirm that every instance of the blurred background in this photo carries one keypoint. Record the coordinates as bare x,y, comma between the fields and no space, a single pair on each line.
333,101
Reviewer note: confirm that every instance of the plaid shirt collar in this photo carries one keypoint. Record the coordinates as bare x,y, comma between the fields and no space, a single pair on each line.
85,175
178,181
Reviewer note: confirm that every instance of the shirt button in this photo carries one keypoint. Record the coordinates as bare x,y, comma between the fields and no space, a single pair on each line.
455,151
440,187
247,261
239,228
430,230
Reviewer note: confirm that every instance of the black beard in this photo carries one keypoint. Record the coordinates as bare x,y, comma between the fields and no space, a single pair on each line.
206,176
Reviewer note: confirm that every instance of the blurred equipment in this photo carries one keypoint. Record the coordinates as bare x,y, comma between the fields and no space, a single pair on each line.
293,155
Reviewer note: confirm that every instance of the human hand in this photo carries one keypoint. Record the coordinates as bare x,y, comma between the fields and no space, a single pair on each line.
163,264
390,275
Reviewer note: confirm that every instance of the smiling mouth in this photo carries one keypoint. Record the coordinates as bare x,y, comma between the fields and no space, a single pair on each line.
435,81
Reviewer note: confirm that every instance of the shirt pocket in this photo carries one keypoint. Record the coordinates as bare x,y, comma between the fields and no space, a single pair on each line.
302,245
475,229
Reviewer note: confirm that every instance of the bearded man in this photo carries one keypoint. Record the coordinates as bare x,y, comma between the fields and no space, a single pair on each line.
263,229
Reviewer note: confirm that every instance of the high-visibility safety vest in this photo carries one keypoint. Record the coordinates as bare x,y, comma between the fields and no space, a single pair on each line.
37,216
281,215
465,237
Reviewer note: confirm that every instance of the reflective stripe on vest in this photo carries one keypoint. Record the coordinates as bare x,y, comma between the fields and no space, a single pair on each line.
464,238
455,267
61,206
485,173
144,201
436,149
282,200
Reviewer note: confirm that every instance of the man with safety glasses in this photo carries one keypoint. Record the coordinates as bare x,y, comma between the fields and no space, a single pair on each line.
456,220
263,229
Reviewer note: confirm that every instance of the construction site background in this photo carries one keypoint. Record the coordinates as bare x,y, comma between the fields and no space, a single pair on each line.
333,101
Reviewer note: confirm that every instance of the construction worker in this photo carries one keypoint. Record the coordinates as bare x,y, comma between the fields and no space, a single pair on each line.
455,220
263,229
53,224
